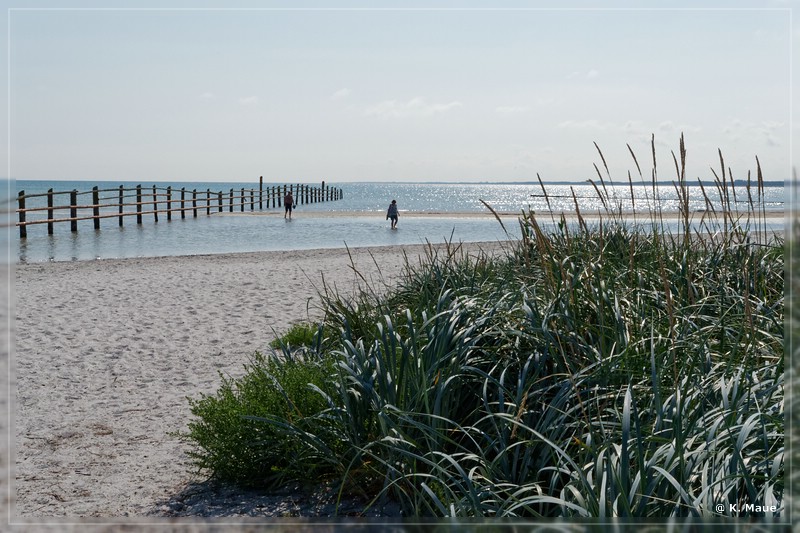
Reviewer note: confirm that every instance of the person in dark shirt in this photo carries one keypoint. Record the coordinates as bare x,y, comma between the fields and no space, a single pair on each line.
392,213
288,202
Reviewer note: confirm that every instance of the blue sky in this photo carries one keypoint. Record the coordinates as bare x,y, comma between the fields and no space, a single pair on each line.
375,94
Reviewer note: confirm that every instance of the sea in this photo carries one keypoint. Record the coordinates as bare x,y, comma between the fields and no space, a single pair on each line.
455,212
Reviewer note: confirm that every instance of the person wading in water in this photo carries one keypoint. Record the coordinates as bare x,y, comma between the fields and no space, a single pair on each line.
288,202
392,213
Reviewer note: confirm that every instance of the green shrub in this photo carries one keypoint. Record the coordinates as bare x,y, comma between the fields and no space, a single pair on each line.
232,446
302,334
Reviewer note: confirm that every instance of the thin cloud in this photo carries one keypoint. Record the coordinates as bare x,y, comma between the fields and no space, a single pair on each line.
768,132
248,100
341,94
206,96
591,74
591,124
416,107
629,127
666,126
633,126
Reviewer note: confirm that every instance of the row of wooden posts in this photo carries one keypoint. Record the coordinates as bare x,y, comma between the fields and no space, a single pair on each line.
210,201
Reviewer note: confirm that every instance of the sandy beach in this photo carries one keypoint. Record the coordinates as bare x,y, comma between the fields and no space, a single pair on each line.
107,352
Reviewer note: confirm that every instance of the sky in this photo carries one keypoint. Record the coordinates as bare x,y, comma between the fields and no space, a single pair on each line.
448,91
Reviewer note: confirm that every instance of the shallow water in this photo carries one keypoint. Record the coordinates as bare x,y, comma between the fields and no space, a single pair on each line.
356,220
226,234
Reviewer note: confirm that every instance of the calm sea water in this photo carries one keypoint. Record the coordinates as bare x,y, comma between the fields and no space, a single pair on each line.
360,221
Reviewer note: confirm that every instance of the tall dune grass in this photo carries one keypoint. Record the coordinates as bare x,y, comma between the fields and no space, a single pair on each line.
614,369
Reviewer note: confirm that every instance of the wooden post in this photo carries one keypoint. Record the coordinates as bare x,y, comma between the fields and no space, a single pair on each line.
183,203
96,206
241,199
23,230
50,211
260,193
208,201
121,199
73,211
231,203
155,204
138,204
220,200
169,202
194,202
322,191
252,201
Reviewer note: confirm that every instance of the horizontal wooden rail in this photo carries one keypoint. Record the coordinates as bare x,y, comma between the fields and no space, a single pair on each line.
175,201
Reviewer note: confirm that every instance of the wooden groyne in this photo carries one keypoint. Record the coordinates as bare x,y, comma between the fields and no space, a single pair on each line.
153,201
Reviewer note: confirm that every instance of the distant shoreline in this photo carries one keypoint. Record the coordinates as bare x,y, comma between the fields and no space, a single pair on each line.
618,183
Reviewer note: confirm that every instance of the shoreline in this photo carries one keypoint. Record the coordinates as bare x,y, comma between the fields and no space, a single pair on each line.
377,248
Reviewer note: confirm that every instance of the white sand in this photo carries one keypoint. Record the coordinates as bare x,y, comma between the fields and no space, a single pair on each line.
108,350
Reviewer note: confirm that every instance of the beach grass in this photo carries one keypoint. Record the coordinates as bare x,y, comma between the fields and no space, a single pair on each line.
608,369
